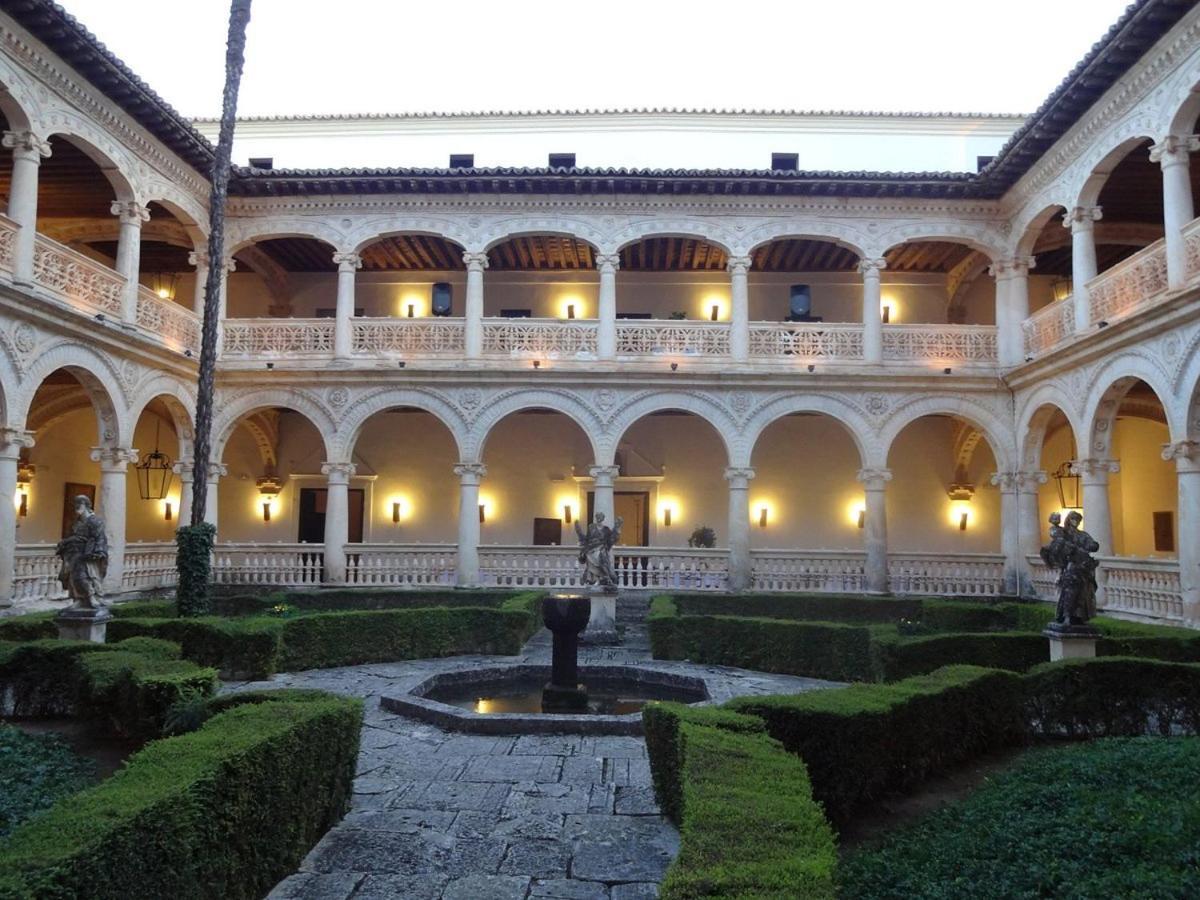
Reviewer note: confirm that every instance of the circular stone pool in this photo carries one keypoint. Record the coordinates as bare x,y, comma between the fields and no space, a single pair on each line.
508,700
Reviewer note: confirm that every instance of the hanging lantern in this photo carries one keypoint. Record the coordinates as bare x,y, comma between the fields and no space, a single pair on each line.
1068,487
163,284
154,474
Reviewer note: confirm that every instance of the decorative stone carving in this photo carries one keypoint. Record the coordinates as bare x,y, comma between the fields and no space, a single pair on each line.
595,551
84,555
130,212
605,399
874,479
469,399
1070,552
25,337
338,397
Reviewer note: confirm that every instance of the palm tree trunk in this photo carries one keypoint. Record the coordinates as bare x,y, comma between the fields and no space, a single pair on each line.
195,541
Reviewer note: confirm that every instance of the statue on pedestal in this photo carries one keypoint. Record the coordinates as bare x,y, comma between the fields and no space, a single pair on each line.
84,555
595,551
1070,551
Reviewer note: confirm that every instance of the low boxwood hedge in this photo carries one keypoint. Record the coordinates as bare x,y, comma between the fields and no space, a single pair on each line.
894,657
803,607
748,824
247,648
222,812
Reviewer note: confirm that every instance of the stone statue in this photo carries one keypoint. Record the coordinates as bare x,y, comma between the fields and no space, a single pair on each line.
595,551
1070,551
84,555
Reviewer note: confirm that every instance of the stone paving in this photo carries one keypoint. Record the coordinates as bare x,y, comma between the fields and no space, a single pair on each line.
444,816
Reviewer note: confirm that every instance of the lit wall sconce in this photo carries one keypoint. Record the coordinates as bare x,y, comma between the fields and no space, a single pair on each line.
888,312
266,508
762,517
268,489
674,367
482,513
167,511
412,310
396,513
862,517
716,312
21,502
667,512
960,512
570,310
25,473
567,513
962,522
537,363
667,517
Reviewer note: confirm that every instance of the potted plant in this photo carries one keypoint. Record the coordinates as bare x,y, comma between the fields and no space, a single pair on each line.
703,536
678,314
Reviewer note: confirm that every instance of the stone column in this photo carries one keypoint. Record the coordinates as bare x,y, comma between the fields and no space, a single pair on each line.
1010,529
1029,524
870,270
199,259
347,264
874,482
216,471
741,572
223,301
131,215
1097,521
12,442
1082,221
739,307
606,336
1172,154
183,471
469,476
476,262
337,519
114,462
602,502
1012,307
1187,474
28,152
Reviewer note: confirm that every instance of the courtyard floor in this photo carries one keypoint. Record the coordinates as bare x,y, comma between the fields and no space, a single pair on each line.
438,815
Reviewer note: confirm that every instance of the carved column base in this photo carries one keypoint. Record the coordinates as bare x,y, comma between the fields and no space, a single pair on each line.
83,625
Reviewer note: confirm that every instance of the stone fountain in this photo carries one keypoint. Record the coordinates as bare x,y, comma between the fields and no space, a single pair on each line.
565,615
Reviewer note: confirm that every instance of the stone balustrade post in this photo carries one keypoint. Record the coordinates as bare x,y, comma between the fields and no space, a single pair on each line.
343,338
1186,455
739,307
874,482
1082,222
1172,153
469,476
337,519
28,152
606,313
114,463
741,574
12,442
131,215
476,262
602,499
872,317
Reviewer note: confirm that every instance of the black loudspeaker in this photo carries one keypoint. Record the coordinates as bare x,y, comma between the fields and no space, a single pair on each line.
441,298
800,305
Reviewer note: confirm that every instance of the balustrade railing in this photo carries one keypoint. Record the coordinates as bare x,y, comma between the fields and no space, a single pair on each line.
543,337
1049,327
1044,578
807,340
637,568
36,574
8,237
946,574
649,337
178,327
278,337
1129,285
82,282
416,337
1191,240
401,565
281,565
958,344
149,566
1143,587
833,572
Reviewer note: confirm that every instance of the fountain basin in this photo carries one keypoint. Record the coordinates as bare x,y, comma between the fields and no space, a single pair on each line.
450,700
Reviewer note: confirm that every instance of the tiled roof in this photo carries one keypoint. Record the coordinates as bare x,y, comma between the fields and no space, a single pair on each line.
644,111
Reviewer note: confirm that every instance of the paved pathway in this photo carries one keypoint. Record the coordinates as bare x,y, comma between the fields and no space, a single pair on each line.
444,816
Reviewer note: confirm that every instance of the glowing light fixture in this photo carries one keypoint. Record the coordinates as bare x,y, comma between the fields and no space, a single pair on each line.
962,521
482,513
567,513
1067,481
154,473
762,517
268,489
163,284
862,517
25,473
716,311
168,511
667,517
396,512
570,310
412,310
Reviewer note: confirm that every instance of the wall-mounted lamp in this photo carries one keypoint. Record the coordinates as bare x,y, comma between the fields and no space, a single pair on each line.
947,370
482,514
22,503
886,313
412,310
537,363
674,367
396,512
167,511
570,310
716,312
762,517
667,517
862,518
266,506
811,367
268,488
25,472
962,521
567,513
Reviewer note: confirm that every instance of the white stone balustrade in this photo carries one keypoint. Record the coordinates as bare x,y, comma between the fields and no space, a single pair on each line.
1131,284
946,574
1143,587
278,337
282,565
834,342
687,569
8,239
177,326
36,574
953,344
149,566
81,282
1191,238
401,565
1048,328
649,337
539,337
827,572
408,337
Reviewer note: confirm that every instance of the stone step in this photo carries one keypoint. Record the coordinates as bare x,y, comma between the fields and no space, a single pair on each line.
632,609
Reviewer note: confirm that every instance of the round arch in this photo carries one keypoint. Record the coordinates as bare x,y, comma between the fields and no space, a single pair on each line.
178,401
1110,385
189,214
247,233
841,412
694,229
991,426
736,452
15,100
828,232
1033,418
499,232
911,234
502,406
1032,229
357,416
1094,179
298,402
110,159
374,230
1183,107
99,380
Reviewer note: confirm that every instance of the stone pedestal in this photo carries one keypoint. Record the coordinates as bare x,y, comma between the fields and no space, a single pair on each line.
83,624
602,626
1071,641
565,615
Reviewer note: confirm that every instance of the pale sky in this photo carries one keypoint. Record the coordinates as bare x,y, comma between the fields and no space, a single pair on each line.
390,56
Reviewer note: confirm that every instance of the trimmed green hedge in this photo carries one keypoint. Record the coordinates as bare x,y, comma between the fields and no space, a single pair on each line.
37,770
225,811
247,648
894,657
748,824
803,607
864,741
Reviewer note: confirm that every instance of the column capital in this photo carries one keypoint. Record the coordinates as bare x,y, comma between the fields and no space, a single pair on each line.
1028,482
14,440
739,477
216,471
130,212
1018,266
1186,454
1008,482
607,261
604,475
114,459
874,479
338,472
26,145
475,260
1082,218
1095,469
470,473
347,261
1174,149
868,266
183,468
739,265
198,258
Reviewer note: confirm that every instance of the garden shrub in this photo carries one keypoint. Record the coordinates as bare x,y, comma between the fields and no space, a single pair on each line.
41,677
225,811
896,657
867,740
145,609
748,824
1115,818
193,559
240,648
29,627
803,607
967,616
36,771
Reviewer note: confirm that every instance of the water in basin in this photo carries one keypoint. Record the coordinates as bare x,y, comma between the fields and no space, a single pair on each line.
605,697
